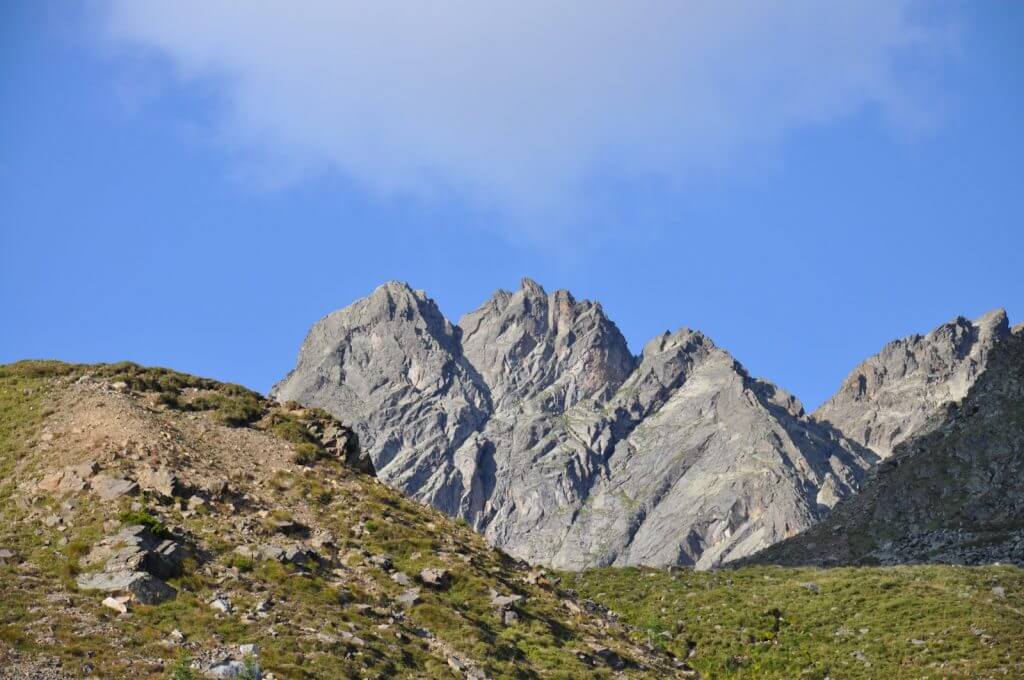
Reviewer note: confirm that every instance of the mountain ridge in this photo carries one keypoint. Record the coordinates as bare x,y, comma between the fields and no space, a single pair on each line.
523,414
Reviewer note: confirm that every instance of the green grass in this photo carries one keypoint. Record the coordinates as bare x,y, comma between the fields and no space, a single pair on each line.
143,517
757,622
772,622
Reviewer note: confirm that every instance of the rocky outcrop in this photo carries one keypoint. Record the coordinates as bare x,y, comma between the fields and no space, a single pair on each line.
891,396
952,495
532,420
393,365
134,562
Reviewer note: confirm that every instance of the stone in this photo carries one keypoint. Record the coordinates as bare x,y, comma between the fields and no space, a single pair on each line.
231,668
160,480
221,604
135,548
300,556
196,503
322,539
7,556
504,601
999,592
509,617
112,488
609,657
144,588
118,604
437,578
176,636
50,482
401,578
408,598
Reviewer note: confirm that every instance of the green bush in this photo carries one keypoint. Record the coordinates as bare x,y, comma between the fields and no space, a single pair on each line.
307,454
155,526
182,668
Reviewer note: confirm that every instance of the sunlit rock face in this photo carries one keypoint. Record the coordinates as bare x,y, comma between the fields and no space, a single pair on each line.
532,420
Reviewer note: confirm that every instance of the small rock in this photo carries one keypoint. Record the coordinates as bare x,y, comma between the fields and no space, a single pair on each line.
221,604
409,597
118,604
160,480
613,660
438,578
509,617
401,578
110,488
999,592
250,649
917,643
504,601
176,636
813,587
196,503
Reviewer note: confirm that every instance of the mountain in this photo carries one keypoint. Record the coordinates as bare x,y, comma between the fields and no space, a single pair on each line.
891,396
155,524
532,420
951,495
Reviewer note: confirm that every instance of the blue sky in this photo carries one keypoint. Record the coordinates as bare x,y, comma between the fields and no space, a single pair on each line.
184,186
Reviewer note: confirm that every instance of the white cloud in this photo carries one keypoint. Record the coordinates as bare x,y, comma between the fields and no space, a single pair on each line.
519,106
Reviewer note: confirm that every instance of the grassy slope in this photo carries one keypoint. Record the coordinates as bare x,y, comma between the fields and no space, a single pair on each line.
774,622
754,622
86,638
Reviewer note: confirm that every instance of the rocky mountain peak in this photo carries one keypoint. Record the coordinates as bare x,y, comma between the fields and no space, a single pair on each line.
951,494
532,420
895,393
548,349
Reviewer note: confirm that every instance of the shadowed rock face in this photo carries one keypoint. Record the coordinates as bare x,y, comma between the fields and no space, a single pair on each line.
892,395
532,420
951,495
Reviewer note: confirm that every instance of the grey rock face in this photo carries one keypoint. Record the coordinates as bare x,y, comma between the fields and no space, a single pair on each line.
532,420
691,461
393,365
892,395
536,351
951,495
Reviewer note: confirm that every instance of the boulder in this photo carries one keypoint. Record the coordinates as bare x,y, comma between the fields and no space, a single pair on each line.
160,480
436,578
111,488
144,588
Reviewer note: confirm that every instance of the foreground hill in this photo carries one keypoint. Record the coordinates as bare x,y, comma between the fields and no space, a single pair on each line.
531,420
154,524
955,494
157,525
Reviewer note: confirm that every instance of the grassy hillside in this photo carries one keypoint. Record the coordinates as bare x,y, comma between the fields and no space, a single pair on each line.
250,473
250,482
864,622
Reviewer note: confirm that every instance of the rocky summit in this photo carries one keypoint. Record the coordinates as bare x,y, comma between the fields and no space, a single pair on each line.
532,420
894,394
951,495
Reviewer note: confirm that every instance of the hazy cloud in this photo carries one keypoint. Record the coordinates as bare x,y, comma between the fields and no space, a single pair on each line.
526,106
